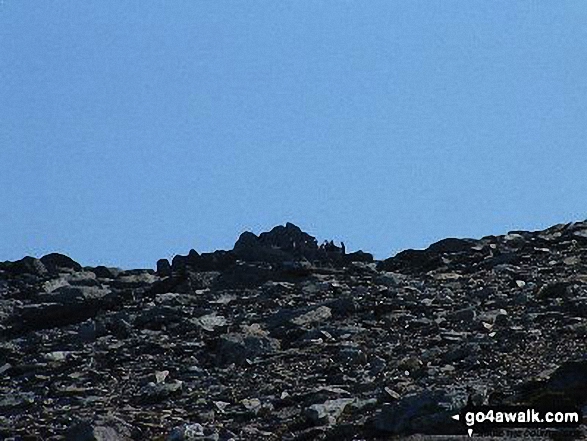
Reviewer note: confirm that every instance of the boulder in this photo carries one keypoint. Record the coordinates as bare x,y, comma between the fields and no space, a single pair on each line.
104,272
451,245
28,265
280,244
239,347
428,412
56,262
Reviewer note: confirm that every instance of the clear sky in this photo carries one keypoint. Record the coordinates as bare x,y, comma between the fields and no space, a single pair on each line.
136,130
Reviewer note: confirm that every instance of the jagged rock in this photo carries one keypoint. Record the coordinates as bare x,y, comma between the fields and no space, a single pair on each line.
329,411
216,261
210,322
319,314
280,244
187,432
282,338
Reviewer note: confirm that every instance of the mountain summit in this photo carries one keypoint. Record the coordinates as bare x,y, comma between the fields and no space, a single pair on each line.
285,338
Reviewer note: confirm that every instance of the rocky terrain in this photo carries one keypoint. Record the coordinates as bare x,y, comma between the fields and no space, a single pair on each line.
281,338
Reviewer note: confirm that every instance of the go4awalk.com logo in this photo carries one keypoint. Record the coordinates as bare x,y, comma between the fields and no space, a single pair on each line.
485,418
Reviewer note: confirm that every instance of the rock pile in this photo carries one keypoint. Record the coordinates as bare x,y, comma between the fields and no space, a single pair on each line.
282,338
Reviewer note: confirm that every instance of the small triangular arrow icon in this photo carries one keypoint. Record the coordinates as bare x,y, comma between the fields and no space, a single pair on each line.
470,432
456,417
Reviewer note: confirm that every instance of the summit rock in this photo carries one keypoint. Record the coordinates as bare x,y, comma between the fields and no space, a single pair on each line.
284,338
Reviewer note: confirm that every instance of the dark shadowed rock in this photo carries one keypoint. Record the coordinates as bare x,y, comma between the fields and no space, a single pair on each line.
280,244
412,260
109,430
284,339
570,380
153,393
56,262
240,347
358,256
428,412
28,265
245,275
554,289
104,272
451,245
163,268
567,385
216,261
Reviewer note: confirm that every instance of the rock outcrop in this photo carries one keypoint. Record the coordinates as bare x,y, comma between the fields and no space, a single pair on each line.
283,338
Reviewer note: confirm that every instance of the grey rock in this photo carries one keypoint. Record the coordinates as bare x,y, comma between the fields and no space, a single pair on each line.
187,432
240,347
70,295
153,393
276,343
210,322
389,279
462,315
17,401
134,280
428,412
351,355
313,316
329,411
108,430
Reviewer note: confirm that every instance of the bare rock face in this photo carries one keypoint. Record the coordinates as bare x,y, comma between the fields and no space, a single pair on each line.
285,338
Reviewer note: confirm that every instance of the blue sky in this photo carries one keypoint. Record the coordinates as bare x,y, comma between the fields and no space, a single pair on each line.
131,130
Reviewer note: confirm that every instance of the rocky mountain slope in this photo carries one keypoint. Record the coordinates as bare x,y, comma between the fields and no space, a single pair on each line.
282,338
